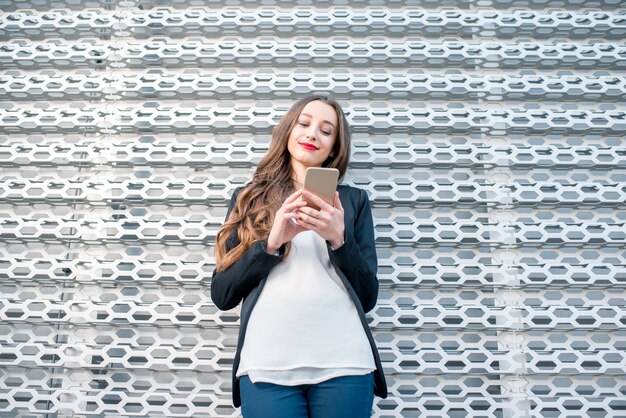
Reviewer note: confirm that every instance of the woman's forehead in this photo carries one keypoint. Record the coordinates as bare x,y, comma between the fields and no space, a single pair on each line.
319,110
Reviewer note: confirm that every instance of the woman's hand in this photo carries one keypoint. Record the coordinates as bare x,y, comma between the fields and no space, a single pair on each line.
284,228
327,222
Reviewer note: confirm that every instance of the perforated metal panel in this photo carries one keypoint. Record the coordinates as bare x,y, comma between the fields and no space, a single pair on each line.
488,134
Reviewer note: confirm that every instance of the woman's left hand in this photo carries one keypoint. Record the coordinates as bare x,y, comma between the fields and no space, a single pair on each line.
327,222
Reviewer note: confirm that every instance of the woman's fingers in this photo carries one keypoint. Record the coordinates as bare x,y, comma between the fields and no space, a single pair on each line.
337,202
292,202
308,220
292,197
326,222
286,222
312,213
305,222
316,200
291,215
294,205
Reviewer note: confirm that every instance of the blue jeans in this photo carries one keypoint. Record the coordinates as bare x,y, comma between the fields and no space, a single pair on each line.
341,397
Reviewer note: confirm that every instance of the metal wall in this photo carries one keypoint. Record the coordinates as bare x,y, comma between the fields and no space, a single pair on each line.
488,134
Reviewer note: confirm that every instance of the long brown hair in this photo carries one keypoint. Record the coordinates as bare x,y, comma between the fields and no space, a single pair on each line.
253,214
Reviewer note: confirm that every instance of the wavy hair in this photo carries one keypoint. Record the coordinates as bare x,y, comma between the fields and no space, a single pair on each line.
253,213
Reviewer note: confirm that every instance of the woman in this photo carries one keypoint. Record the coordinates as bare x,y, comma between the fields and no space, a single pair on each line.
306,278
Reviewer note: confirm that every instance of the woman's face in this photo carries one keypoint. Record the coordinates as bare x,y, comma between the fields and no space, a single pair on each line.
313,136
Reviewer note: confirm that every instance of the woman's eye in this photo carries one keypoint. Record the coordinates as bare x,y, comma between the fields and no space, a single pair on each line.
326,133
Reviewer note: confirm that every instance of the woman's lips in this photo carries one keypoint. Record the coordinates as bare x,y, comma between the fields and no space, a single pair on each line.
308,146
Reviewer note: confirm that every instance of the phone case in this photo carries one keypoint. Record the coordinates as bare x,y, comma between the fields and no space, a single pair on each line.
321,182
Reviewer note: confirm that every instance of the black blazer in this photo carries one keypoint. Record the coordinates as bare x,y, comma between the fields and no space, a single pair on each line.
355,262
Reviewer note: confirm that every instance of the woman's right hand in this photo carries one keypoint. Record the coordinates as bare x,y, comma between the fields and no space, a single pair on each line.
285,226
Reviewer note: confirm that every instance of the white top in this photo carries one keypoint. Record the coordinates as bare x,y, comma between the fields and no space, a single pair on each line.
304,328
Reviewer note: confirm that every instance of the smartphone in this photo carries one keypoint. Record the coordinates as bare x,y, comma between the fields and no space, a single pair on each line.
321,182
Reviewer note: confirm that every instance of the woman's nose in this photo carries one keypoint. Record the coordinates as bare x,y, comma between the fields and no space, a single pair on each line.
311,133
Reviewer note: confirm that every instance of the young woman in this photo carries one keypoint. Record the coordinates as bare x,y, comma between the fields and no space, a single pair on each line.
306,277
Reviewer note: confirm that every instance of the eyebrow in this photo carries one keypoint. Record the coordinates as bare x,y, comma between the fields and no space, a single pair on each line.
325,121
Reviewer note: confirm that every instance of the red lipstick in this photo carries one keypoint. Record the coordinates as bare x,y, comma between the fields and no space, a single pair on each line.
308,146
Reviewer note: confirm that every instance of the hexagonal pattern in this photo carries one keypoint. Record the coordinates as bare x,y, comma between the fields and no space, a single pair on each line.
488,135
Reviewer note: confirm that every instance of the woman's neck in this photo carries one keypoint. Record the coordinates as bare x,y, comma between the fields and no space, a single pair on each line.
297,174
296,184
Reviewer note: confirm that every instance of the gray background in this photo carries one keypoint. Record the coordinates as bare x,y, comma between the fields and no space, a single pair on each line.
488,134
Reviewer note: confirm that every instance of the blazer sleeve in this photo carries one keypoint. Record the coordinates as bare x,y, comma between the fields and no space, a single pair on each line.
357,256
231,286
